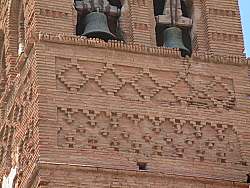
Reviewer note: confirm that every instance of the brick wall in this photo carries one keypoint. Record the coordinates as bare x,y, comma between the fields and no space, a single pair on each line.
224,29
19,131
216,24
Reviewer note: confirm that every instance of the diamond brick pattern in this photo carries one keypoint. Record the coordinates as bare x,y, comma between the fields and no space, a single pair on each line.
72,77
143,85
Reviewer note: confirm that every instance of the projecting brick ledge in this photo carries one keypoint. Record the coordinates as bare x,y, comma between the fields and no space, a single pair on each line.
120,45
97,177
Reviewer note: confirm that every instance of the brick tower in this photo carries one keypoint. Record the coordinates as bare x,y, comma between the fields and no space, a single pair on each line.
131,112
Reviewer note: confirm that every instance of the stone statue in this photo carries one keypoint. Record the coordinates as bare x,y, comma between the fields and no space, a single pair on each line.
96,5
124,25
172,14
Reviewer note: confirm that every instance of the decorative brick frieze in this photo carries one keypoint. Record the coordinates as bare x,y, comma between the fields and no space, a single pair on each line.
142,85
159,136
52,13
141,26
139,3
222,12
225,37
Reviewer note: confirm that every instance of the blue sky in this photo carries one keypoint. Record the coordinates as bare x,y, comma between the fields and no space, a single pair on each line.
245,18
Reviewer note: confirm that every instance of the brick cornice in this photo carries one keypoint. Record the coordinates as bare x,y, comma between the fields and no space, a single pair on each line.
88,168
134,48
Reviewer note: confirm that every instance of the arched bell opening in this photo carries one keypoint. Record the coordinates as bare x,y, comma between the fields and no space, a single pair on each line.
158,10
174,30
80,23
187,8
17,27
21,30
98,20
3,76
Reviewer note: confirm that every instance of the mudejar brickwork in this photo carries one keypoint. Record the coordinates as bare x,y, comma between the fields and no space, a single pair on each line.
124,108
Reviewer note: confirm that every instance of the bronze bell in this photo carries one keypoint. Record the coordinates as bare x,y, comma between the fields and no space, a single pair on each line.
173,38
96,26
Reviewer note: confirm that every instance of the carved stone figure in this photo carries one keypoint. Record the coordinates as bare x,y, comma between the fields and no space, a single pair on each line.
96,5
172,14
124,22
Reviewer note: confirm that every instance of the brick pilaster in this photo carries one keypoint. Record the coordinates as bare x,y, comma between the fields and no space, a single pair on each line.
223,27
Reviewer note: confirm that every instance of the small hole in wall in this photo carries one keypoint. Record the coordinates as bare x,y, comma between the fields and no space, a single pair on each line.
198,123
243,163
142,166
71,146
222,160
219,125
177,121
202,158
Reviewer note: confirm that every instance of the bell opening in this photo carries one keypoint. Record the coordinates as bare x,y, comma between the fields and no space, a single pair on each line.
187,8
159,31
80,24
184,39
103,24
159,7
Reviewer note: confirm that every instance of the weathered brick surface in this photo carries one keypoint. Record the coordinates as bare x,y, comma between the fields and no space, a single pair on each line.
79,112
98,177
